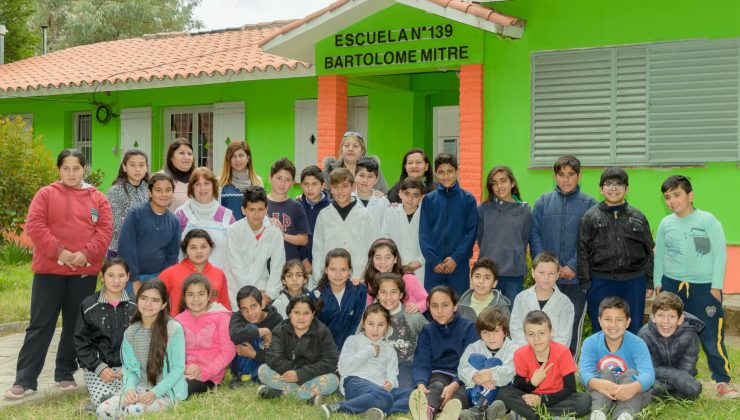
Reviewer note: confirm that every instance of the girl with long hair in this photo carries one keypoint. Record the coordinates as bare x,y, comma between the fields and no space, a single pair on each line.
384,257
129,189
237,173
179,164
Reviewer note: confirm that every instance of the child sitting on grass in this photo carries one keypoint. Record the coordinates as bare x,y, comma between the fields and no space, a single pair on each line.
672,336
545,376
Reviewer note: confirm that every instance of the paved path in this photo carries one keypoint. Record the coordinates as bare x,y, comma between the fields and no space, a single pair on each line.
10,345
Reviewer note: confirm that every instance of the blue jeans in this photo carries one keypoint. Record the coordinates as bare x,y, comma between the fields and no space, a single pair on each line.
699,302
244,368
363,395
633,291
405,375
510,286
323,384
479,394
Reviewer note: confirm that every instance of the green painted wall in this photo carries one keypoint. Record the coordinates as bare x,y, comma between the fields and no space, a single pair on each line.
559,24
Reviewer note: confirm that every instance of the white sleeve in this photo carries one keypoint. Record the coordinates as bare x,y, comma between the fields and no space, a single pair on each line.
319,247
504,374
516,326
238,271
355,353
277,261
564,326
392,368
464,370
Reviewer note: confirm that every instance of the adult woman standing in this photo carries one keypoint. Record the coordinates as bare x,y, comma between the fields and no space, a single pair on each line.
352,149
203,211
179,165
129,189
237,174
416,165
70,224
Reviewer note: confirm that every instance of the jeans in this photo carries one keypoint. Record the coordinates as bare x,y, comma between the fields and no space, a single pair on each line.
322,384
477,393
363,395
510,286
633,291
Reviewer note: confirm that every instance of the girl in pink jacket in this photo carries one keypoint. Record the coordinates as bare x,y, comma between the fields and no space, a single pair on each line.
384,257
208,346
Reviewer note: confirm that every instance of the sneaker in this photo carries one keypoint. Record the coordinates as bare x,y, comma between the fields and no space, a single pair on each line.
726,390
418,405
451,410
67,385
624,416
597,415
314,400
267,393
238,383
330,409
17,392
373,414
476,412
496,410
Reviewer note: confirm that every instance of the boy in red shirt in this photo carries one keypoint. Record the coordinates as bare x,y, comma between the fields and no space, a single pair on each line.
545,375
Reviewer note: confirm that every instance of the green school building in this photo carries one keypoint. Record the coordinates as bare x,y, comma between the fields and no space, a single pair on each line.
651,86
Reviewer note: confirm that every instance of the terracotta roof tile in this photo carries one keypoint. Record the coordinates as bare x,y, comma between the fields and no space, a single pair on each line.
463,6
175,55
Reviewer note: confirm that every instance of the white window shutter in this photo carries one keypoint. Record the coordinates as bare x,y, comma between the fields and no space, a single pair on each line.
630,105
136,130
357,108
306,133
571,106
693,109
228,123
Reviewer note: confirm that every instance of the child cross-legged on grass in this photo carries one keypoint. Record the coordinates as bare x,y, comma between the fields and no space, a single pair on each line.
672,337
483,292
438,351
545,375
487,365
250,328
369,369
302,357
615,365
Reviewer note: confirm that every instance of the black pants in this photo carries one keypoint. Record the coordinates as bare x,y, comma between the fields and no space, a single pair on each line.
578,404
51,293
198,387
437,382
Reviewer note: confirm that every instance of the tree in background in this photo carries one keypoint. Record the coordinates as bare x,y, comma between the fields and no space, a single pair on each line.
80,22
26,165
21,38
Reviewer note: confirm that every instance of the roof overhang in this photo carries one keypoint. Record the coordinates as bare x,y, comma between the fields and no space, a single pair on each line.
298,40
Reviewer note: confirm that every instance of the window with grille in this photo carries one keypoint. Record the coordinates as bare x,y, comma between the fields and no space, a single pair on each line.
83,134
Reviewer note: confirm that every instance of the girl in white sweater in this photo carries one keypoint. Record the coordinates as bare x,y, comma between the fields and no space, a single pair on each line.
369,369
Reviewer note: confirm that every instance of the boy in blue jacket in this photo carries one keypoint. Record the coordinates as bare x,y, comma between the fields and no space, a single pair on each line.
556,219
615,365
448,226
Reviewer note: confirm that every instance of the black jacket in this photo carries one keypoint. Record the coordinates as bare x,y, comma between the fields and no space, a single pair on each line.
615,244
243,331
310,355
99,331
677,352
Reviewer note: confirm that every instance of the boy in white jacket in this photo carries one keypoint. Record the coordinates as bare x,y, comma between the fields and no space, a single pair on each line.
401,223
544,296
487,365
343,224
252,242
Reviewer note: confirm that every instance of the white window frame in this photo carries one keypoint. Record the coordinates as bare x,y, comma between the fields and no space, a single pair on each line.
169,137
84,146
27,118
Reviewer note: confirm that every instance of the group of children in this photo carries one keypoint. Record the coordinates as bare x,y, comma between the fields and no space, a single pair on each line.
340,289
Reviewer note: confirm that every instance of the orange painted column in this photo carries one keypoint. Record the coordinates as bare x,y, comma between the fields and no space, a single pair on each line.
471,129
732,273
332,118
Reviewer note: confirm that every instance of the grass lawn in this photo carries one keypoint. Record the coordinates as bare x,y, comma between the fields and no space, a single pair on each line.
224,403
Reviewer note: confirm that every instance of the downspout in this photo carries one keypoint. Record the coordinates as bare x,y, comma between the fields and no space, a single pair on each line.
44,49
3,31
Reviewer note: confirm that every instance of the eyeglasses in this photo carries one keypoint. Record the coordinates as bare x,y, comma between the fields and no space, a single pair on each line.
613,186
353,134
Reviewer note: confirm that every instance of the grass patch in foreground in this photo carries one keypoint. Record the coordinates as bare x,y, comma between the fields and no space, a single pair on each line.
15,292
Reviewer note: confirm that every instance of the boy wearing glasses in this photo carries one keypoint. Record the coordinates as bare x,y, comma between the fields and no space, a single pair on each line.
615,250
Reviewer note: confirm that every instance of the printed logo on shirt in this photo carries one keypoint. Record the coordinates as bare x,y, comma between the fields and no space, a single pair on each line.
701,241
710,310
94,215
284,219
614,363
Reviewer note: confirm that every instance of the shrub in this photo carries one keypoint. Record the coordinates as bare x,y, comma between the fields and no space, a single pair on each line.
25,166
15,253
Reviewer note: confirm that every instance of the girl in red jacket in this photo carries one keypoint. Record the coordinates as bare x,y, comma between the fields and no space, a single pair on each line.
71,225
196,246
208,346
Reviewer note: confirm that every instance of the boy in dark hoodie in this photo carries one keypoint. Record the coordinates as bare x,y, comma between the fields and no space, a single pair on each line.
672,337
313,199
250,329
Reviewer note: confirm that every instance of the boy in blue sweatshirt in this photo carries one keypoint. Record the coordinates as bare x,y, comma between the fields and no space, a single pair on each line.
690,260
556,219
615,365
448,226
